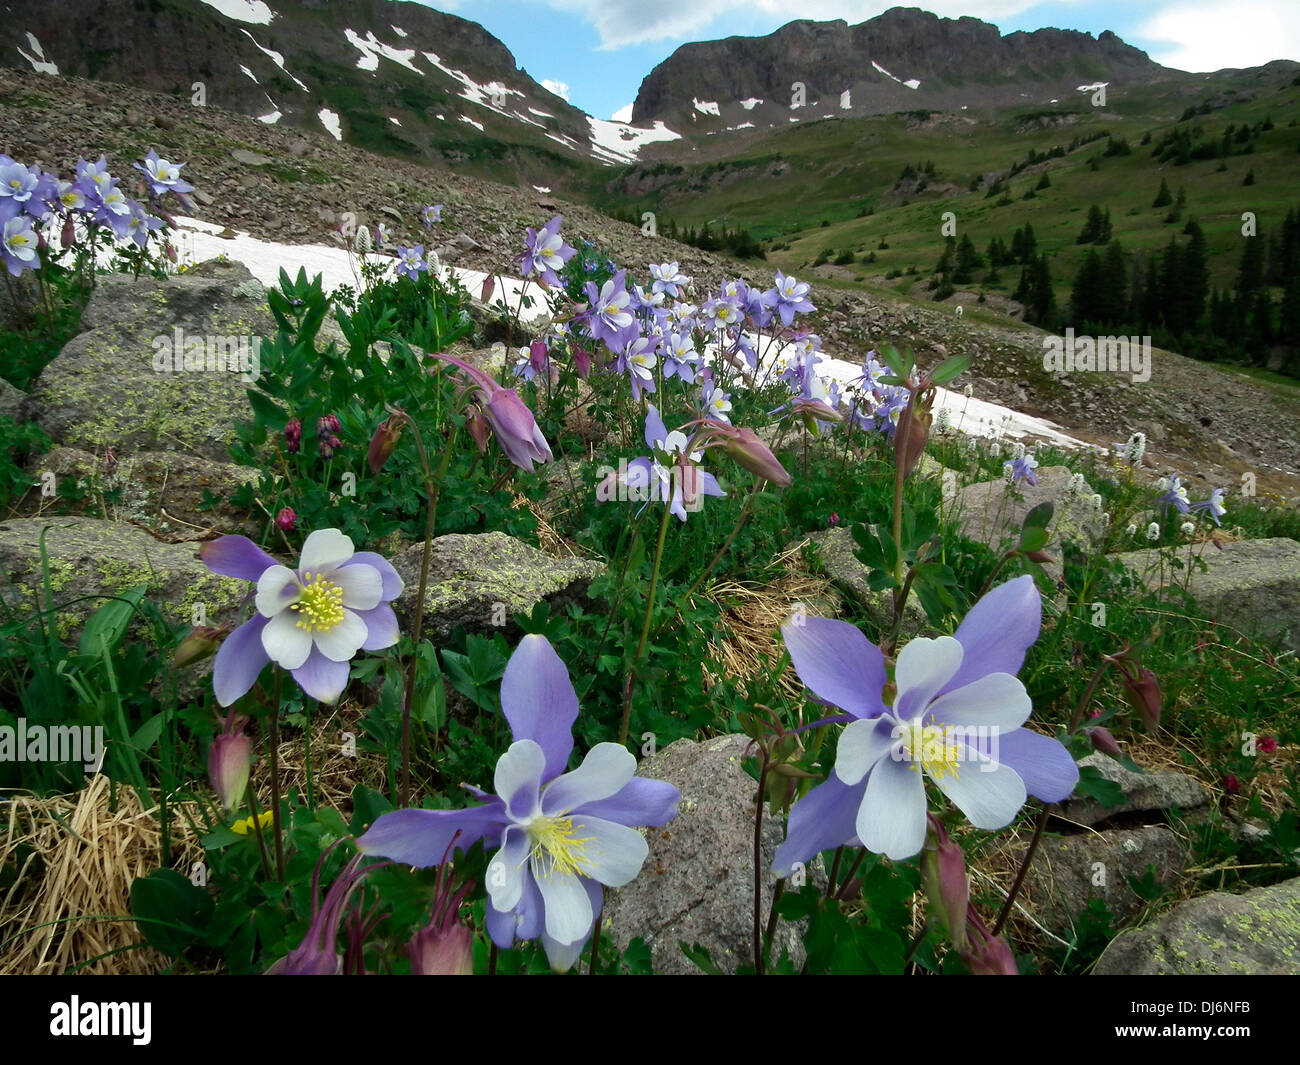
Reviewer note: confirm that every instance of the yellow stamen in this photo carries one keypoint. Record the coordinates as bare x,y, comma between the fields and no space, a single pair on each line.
321,604
933,748
555,849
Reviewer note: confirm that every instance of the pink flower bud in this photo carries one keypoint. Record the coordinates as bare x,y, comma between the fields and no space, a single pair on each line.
489,286
582,362
229,758
943,874
286,520
198,645
1103,741
69,233
293,436
985,954
384,442
744,447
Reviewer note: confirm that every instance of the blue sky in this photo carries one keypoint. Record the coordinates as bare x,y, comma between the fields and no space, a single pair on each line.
600,49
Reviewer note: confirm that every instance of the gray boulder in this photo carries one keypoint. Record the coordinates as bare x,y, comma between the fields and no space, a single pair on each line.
107,389
1252,585
1256,934
697,885
479,581
1153,792
833,550
992,512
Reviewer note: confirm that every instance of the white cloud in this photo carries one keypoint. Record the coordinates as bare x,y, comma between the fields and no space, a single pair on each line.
560,88
623,114
1211,35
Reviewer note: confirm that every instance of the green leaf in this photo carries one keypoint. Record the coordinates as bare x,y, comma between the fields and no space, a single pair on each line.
171,912
1094,786
107,625
1040,517
950,368
270,412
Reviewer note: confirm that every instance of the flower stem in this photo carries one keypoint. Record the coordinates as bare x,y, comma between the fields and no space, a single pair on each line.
432,490
645,627
274,736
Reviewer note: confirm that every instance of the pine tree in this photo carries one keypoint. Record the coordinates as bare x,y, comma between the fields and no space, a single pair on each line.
1163,197
1085,296
1112,306
1092,227
1195,275
1250,274
968,261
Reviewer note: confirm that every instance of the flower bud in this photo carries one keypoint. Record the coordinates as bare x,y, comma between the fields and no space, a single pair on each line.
1143,693
69,233
489,286
444,947
1103,741
293,436
228,762
286,520
943,874
582,362
538,355
745,448
384,442
198,645
479,430
985,954
911,434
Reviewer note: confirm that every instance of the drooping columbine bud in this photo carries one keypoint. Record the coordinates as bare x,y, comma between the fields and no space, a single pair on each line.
293,436
582,362
444,947
489,286
479,430
228,762
198,645
1103,741
986,954
69,233
384,442
538,355
286,520
912,433
1143,693
744,447
943,873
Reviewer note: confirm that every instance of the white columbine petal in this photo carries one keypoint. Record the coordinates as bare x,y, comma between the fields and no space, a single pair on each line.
277,589
568,909
997,700
363,587
287,645
615,853
604,772
518,771
988,793
924,666
861,747
891,819
325,549
505,872
344,640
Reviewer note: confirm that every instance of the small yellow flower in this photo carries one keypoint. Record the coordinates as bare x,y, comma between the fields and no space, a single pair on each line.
244,827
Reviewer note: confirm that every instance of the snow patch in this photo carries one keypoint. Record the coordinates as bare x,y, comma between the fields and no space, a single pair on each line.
249,73
751,103
483,95
541,114
393,120
270,119
1093,87
477,125
397,30
618,142
254,12
743,125
371,49
911,83
275,57
706,107
542,189
330,120
39,63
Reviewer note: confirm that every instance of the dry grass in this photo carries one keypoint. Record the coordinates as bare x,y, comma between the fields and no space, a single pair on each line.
76,858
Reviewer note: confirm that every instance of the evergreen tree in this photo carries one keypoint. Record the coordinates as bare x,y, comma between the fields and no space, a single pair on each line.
1041,309
1163,198
1250,274
1112,309
1044,182
1086,295
1092,227
1195,280
968,261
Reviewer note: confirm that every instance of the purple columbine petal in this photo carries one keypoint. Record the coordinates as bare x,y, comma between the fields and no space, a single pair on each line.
655,430
538,700
421,837
998,631
236,556
837,664
641,802
1046,767
322,678
823,819
381,627
240,659
392,581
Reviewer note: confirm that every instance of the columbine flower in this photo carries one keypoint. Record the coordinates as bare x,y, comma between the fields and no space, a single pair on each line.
788,298
17,183
1153,531
669,475
545,252
1021,469
607,316
1214,505
721,313
432,214
318,954
946,688
558,836
637,359
716,403
311,621
1176,495
511,421
19,246
680,357
163,176
667,279
411,261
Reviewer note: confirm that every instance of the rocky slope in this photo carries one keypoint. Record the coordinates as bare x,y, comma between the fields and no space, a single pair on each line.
1209,425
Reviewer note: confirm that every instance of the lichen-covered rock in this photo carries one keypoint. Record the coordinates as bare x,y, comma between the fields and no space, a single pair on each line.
163,491
479,581
1069,871
1255,934
104,390
1253,585
697,885
14,403
90,558
1157,791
